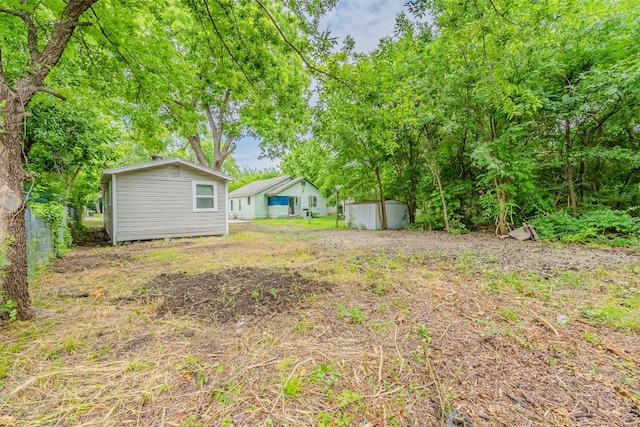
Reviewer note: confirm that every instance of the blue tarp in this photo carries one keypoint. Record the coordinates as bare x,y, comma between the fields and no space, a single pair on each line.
278,201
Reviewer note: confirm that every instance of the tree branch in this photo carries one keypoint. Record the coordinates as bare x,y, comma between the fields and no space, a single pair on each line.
43,62
51,92
222,110
3,82
212,123
502,16
32,34
295,48
226,47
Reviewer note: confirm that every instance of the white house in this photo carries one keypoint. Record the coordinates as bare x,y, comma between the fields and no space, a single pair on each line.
164,199
279,197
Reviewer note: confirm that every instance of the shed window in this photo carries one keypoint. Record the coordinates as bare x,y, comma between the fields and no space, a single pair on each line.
239,204
204,196
231,204
248,201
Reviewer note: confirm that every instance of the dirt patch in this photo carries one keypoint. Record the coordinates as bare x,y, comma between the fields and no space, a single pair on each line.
483,248
85,260
231,294
93,237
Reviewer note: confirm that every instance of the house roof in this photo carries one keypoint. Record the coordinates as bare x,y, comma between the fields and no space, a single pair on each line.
106,174
286,185
259,186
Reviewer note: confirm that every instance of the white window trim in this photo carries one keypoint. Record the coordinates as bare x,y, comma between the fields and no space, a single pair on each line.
195,198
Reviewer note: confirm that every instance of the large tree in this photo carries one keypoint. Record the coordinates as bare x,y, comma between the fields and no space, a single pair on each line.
32,51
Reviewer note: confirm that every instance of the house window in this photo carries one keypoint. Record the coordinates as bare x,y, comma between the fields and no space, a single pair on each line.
248,201
314,202
231,202
204,196
239,204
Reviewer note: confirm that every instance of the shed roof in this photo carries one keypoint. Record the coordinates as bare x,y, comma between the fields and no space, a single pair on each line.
106,174
258,186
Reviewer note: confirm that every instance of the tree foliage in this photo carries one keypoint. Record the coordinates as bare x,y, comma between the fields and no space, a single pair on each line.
490,113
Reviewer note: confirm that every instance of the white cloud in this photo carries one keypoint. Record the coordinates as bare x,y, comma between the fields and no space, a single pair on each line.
247,153
366,21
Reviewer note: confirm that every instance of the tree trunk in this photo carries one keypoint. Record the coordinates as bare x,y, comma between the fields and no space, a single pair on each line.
13,234
383,208
436,174
16,96
194,141
435,170
502,224
569,169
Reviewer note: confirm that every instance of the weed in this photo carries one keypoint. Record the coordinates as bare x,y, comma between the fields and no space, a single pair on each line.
493,287
355,314
11,308
136,366
267,339
378,327
620,313
348,398
509,314
424,334
190,421
273,292
202,379
326,374
291,386
255,294
593,338
4,366
302,326
226,394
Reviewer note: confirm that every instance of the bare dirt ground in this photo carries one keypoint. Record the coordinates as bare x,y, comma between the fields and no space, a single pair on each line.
280,326
486,248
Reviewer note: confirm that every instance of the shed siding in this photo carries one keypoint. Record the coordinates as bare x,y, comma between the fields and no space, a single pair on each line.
397,215
153,204
362,216
107,209
368,215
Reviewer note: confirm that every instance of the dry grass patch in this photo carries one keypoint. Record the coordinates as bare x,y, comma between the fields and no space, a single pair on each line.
332,336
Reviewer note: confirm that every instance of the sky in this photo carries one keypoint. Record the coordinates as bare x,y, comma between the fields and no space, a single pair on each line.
367,21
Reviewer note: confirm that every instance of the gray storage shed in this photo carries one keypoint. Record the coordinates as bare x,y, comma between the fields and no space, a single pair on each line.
164,199
367,215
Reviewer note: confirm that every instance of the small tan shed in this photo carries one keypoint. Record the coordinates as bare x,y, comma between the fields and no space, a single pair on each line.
164,199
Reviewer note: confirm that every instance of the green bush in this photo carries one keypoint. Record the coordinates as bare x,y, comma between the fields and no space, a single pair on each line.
54,215
603,226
